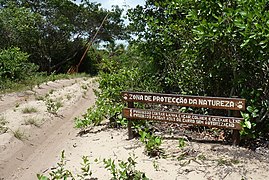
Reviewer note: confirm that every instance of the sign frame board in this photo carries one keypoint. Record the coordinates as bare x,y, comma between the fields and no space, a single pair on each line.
236,104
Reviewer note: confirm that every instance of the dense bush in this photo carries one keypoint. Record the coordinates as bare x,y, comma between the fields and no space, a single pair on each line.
14,65
215,48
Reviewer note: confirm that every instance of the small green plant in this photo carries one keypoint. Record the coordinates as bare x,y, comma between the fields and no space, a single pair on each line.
92,117
60,172
124,170
86,172
68,96
248,122
20,135
40,98
84,86
181,142
3,123
156,165
51,91
152,143
46,96
32,121
53,106
28,110
201,157
182,156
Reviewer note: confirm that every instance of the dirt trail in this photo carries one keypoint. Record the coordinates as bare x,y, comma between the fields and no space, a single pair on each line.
23,159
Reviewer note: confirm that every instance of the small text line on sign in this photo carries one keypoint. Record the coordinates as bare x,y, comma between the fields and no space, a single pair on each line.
185,118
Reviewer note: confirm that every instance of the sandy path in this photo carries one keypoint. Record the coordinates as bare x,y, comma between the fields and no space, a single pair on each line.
9,100
22,159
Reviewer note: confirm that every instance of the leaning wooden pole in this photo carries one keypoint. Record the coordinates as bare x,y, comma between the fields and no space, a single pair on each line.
91,42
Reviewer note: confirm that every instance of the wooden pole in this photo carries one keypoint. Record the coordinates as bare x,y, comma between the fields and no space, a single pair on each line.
235,132
130,131
88,47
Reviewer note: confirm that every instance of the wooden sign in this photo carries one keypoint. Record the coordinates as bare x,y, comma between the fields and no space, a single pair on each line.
235,104
185,118
183,100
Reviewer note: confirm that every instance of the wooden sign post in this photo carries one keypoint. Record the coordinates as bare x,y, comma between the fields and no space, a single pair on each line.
235,104
130,131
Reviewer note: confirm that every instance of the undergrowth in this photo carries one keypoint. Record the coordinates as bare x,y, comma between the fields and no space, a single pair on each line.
121,171
124,170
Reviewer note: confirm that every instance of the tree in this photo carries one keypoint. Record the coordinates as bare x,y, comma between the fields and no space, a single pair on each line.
53,31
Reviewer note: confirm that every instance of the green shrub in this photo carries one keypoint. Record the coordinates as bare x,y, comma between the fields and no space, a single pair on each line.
152,143
14,65
60,172
125,170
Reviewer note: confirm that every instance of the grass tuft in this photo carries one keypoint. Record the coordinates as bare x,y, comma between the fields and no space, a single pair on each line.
3,122
19,135
29,110
32,121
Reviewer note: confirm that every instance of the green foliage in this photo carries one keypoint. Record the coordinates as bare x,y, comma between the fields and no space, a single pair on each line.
28,110
215,48
120,71
152,143
54,33
181,142
19,134
32,121
19,27
108,105
125,170
85,169
14,65
53,106
248,124
60,172
92,117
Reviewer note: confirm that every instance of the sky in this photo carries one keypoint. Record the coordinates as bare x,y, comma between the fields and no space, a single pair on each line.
132,3
121,3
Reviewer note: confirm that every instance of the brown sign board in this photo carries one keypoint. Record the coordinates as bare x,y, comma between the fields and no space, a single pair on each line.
184,100
185,118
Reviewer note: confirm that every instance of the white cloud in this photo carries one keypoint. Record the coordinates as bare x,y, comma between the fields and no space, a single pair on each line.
117,2
121,3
